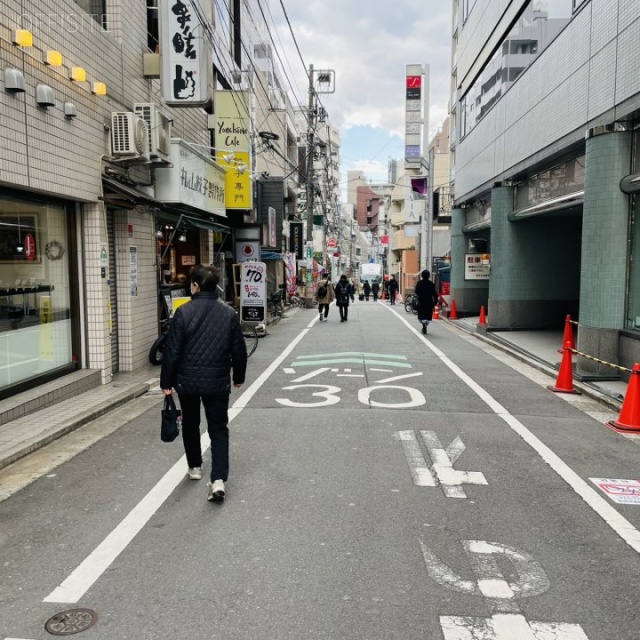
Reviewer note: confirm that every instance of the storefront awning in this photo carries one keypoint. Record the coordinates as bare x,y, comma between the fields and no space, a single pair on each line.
191,221
477,226
271,255
116,192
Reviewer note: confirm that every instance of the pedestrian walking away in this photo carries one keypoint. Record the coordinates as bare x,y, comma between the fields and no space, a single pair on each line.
367,290
427,299
393,289
344,293
375,290
204,353
325,295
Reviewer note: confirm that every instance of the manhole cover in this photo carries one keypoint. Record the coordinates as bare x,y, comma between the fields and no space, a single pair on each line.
67,623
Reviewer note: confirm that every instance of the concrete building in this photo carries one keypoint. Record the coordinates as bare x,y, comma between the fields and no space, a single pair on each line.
545,101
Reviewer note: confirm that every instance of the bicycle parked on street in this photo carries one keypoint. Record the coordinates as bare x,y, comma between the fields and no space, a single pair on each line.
275,310
411,303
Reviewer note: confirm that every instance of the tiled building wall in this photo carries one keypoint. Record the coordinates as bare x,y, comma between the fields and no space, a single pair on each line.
42,150
137,294
588,71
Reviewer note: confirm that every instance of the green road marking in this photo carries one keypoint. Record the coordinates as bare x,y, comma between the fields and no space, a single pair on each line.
351,357
355,353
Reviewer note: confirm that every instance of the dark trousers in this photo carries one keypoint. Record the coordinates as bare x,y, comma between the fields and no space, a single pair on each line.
325,308
216,411
344,311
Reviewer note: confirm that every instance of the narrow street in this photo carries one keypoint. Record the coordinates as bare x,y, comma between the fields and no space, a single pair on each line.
384,485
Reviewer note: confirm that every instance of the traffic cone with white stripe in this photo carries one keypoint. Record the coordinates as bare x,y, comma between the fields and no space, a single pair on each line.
629,419
568,335
436,313
564,382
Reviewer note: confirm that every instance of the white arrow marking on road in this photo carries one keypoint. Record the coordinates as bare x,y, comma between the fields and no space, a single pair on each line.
507,627
420,472
450,479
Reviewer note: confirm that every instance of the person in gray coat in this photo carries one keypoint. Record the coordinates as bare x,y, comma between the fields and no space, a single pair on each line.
204,346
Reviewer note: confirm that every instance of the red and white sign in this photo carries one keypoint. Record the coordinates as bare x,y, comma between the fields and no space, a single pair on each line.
620,491
29,247
247,250
332,243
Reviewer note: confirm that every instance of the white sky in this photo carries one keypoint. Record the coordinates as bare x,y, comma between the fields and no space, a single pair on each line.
368,44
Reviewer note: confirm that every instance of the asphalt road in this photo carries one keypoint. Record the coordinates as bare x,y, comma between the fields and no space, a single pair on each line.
384,486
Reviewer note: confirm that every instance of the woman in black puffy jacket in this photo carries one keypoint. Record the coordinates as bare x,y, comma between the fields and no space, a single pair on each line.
203,354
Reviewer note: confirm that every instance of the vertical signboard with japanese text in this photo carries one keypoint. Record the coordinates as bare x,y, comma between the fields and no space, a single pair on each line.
233,146
296,240
186,71
253,292
414,121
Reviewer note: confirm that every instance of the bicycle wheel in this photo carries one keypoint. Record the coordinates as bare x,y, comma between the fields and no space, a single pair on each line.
250,337
407,305
274,313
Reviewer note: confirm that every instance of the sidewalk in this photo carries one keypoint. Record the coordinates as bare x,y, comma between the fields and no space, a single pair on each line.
21,434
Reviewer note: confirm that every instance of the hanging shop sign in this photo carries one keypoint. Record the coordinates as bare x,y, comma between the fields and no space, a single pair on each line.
247,250
296,241
193,179
253,291
233,146
186,72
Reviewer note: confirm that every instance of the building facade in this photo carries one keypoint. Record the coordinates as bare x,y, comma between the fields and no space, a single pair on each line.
545,105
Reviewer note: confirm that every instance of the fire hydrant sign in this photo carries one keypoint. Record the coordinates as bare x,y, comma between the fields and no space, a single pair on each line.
620,491
253,292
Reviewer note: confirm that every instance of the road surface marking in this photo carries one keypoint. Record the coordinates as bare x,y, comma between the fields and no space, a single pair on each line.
85,575
620,525
507,627
420,472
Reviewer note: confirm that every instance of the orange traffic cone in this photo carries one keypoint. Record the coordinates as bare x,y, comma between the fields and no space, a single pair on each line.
483,317
629,419
568,335
453,312
564,382
436,313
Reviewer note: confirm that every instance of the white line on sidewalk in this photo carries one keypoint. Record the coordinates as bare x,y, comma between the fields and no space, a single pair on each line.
81,579
618,523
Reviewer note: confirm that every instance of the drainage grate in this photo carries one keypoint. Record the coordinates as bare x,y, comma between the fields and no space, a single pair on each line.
67,623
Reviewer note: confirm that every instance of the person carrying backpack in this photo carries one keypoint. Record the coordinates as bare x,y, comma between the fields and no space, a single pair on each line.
344,293
324,295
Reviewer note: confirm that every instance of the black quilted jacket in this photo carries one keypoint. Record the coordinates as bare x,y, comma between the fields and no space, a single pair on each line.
203,345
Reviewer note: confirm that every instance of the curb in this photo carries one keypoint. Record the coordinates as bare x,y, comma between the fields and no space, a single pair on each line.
537,364
66,425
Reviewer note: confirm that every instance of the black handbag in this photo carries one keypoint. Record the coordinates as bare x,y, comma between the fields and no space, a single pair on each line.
171,420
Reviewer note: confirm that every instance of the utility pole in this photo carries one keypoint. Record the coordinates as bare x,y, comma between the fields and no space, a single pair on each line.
311,114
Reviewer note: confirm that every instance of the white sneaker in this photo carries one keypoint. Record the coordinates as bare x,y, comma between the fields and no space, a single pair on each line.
195,473
216,491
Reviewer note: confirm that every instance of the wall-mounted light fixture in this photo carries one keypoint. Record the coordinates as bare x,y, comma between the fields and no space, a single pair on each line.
182,237
22,38
99,88
78,74
53,59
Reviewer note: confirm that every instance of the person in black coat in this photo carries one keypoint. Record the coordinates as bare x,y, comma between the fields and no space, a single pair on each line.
367,290
375,289
393,290
204,345
344,293
427,299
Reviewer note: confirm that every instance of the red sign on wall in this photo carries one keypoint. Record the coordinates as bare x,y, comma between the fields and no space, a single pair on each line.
29,247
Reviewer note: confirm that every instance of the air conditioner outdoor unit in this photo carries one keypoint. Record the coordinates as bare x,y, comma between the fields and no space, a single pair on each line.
129,137
159,128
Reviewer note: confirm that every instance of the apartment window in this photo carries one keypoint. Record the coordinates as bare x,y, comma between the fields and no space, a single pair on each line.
223,25
536,28
97,9
153,31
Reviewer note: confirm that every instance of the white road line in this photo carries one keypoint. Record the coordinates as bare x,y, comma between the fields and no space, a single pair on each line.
618,523
84,576
313,374
394,378
420,472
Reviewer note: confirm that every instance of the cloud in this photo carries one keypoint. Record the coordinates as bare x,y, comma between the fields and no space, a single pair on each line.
368,45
